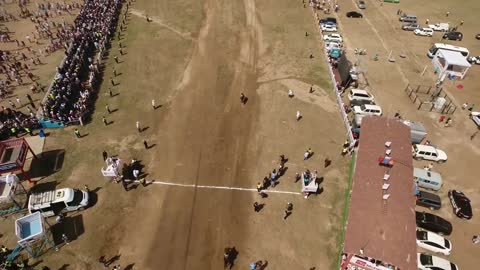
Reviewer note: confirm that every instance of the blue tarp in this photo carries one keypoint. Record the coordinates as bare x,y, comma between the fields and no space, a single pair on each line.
51,124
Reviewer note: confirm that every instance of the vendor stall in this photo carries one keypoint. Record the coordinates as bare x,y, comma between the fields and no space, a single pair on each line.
33,235
450,64
12,194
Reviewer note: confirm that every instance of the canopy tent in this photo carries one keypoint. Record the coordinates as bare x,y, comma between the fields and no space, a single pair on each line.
12,194
13,154
450,64
29,228
33,233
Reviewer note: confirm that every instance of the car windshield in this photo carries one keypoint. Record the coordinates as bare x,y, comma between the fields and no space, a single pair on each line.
77,198
421,235
447,243
426,259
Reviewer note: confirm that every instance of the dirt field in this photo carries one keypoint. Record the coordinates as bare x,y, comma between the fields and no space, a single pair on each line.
195,58
387,82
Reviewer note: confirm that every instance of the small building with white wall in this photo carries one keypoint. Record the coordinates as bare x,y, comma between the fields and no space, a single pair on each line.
450,64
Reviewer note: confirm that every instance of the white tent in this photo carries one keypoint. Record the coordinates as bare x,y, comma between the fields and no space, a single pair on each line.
450,64
29,228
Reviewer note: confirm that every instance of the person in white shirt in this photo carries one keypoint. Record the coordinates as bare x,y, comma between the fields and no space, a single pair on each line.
290,93
136,173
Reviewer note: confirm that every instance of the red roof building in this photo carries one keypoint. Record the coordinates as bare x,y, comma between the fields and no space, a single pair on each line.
380,230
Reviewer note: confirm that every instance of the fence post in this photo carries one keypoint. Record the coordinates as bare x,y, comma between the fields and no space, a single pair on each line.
454,109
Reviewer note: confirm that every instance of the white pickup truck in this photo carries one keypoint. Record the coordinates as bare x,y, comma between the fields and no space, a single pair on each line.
54,202
443,27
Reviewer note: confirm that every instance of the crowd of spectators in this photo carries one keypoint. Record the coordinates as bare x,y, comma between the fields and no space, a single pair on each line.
70,95
13,123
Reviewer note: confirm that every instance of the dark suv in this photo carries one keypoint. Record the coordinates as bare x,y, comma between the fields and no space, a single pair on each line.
430,200
328,19
433,223
453,36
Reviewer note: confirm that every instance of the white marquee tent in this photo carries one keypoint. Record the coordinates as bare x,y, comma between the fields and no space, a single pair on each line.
450,64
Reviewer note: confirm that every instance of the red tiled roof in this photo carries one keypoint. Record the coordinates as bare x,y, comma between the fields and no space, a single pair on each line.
384,230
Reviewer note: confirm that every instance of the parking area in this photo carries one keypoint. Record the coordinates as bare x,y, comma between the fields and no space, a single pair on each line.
396,58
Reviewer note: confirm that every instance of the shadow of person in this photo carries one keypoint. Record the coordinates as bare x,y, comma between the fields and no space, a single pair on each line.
151,146
64,267
129,267
112,260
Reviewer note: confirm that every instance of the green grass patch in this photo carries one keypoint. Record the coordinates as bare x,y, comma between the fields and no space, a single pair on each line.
345,212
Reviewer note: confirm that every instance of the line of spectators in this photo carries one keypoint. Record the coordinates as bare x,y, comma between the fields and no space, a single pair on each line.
71,91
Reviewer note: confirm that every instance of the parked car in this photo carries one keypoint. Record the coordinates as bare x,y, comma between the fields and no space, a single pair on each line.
361,4
333,45
433,242
476,118
428,152
367,109
408,18
426,32
333,37
411,26
430,200
359,94
328,28
453,36
474,60
354,14
461,204
433,223
429,262
328,19
439,27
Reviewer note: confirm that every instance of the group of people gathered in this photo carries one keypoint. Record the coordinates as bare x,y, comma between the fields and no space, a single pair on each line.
271,179
70,96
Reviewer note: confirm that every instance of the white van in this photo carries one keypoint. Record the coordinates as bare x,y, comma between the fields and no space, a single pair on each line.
428,152
51,203
367,109
427,179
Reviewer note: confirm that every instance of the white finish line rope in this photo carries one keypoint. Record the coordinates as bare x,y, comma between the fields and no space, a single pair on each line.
221,187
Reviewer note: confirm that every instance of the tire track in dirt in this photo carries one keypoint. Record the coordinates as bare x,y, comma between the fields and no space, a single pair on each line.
156,20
